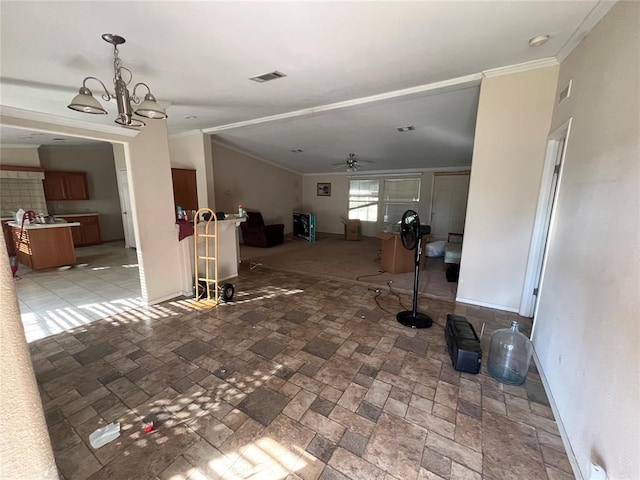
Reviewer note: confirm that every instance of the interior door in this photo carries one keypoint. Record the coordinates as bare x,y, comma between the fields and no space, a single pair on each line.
556,149
125,204
448,204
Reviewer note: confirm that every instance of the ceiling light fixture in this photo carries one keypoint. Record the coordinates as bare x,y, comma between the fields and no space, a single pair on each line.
296,150
148,108
408,128
538,40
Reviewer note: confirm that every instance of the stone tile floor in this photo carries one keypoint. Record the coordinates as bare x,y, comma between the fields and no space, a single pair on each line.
298,378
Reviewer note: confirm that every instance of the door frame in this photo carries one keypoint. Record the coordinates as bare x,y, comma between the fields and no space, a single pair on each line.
126,214
445,173
544,219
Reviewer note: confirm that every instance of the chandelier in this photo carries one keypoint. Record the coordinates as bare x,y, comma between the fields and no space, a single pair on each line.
148,108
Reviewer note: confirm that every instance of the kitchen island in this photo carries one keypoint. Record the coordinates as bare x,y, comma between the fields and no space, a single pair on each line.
43,246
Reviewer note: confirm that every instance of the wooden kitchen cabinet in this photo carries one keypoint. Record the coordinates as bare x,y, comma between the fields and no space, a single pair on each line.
88,233
8,238
185,191
65,185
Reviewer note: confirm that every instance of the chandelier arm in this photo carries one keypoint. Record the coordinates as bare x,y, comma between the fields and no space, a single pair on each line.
134,98
130,74
106,95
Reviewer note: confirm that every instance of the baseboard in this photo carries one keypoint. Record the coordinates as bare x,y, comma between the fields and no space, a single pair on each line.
485,304
554,408
155,301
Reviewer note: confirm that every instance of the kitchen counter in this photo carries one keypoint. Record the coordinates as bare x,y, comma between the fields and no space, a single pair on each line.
65,215
42,246
32,226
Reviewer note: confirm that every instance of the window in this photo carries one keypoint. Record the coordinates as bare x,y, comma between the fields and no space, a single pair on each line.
363,200
398,195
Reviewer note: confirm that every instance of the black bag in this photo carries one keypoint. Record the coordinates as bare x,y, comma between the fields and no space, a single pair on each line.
463,344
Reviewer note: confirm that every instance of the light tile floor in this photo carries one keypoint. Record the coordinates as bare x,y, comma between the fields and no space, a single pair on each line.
54,301
298,378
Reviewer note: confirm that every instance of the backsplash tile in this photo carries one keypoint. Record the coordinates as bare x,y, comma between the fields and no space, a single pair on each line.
24,193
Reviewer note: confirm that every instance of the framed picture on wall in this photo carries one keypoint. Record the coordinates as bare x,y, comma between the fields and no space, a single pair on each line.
324,190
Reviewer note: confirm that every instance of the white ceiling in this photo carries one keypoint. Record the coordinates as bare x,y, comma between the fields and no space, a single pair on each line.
16,137
198,57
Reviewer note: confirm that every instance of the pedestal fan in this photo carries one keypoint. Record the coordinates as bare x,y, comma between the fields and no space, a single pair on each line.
411,233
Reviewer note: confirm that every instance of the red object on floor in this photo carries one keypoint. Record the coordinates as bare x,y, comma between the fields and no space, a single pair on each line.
147,427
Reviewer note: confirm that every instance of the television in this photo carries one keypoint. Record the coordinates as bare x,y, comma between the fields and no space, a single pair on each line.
304,226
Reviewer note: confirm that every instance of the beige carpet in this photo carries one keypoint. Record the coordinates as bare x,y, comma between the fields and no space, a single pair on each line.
332,256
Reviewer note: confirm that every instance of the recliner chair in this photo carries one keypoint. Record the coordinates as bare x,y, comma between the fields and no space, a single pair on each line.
256,234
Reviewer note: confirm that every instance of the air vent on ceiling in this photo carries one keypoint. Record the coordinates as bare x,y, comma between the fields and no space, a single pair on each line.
268,76
406,129
296,150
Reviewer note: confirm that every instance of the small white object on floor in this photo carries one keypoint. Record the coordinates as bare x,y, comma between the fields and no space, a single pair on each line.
104,435
65,267
81,265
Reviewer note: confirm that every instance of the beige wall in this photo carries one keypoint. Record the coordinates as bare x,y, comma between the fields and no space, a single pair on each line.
514,115
257,185
587,330
98,162
329,210
24,157
193,151
151,191
25,449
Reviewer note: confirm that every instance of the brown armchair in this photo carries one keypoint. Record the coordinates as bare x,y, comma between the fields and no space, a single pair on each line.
256,234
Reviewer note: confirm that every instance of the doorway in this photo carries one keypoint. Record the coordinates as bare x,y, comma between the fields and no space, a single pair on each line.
542,229
448,203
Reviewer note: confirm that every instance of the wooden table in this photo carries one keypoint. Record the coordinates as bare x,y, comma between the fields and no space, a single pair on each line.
44,246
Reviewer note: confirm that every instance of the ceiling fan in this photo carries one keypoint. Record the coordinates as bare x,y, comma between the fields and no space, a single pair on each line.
352,163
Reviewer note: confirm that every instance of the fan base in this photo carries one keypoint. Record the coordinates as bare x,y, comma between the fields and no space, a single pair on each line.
419,320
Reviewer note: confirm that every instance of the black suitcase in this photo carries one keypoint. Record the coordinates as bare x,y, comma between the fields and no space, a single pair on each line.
463,344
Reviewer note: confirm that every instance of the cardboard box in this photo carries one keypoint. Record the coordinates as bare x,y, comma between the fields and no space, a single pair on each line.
395,258
352,229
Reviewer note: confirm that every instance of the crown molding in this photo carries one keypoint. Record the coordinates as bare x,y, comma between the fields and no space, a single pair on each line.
521,67
403,172
251,155
461,82
185,134
591,20
19,145
53,121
